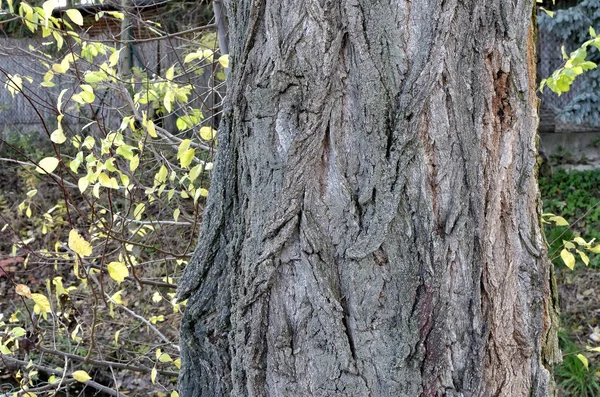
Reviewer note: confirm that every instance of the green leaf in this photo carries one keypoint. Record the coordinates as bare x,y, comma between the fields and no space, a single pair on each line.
117,271
47,165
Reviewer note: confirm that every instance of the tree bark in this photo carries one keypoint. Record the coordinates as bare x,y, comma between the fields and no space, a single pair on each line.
373,225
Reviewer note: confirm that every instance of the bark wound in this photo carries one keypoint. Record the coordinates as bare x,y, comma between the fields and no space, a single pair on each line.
500,102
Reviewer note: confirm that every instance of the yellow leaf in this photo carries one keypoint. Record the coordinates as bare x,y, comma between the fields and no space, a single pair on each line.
176,214
78,244
117,298
207,133
117,271
170,73
87,96
41,303
83,183
156,297
47,165
116,14
165,358
559,221
157,319
183,146
568,245
177,363
568,258
58,136
584,360
104,180
174,394
75,16
224,60
81,376
151,129
58,68
195,172
153,375
138,211
114,58
48,6
208,54
191,56
134,163
187,157
595,249
167,100
203,192
580,241
23,290
584,257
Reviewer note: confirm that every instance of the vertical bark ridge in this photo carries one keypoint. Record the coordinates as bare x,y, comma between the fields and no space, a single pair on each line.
373,225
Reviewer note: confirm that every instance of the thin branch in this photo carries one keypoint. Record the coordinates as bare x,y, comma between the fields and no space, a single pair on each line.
52,371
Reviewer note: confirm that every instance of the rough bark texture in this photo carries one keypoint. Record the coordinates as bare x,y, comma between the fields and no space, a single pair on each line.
373,225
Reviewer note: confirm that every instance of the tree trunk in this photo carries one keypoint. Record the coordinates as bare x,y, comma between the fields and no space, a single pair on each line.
373,226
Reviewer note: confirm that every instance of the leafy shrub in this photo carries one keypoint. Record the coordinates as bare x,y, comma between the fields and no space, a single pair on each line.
575,195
